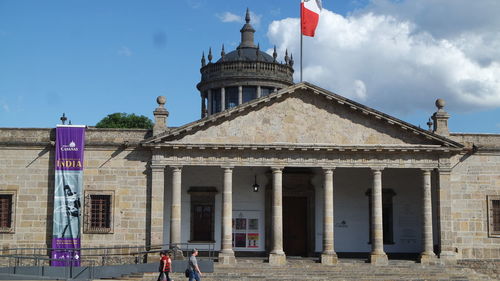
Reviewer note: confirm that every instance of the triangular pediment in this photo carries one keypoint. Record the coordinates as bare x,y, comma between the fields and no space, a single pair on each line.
302,115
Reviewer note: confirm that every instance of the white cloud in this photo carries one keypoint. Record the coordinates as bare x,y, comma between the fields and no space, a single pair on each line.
255,19
5,107
229,17
124,51
392,64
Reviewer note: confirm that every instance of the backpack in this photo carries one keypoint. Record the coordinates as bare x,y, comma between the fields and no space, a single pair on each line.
187,272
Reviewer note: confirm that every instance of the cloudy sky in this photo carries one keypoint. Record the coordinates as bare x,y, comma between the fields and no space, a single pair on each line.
92,58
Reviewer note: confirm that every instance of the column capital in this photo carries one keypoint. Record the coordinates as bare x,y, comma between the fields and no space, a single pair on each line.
277,169
157,167
328,169
176,167
227,167
377,169
426,170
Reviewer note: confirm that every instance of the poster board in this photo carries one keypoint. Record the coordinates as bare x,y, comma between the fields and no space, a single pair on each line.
248,231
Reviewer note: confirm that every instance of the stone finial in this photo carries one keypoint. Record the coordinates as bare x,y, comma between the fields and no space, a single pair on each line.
440,119
287,59
209,55
161,115
257,51
222,53
275,54
291,60
247,16
203,62
440,103
247,33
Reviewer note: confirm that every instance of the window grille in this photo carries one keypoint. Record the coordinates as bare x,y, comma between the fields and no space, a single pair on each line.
99,213
494,216
5,211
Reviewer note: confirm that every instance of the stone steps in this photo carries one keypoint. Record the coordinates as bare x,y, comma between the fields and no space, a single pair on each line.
308,269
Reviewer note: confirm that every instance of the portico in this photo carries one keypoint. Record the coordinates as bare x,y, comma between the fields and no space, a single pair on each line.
221,142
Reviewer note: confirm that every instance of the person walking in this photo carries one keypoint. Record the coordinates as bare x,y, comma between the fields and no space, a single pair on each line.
165,266
194,269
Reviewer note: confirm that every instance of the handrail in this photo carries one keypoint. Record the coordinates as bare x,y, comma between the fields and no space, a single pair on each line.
111,251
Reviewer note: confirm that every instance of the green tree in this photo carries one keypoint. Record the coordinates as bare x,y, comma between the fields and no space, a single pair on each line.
125,120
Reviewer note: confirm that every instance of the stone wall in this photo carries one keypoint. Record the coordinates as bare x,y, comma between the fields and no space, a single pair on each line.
476,176
113,162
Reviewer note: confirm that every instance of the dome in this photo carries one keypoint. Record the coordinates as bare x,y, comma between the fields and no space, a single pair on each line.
247,54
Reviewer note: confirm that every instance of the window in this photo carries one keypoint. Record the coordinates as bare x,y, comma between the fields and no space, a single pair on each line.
216,100
387,215
494,216
202,213
249,93
99,212
6,214
265,91
231,97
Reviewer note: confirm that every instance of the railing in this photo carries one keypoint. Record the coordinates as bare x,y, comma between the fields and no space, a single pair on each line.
213,70
39,261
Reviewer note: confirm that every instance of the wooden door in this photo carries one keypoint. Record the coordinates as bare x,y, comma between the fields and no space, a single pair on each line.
295,226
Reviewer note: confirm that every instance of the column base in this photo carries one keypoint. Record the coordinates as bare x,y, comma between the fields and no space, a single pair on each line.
277,259
448,257
329,259
428,258
227,258
379,259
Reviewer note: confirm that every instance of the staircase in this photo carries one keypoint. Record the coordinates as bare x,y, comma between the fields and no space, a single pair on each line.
309,269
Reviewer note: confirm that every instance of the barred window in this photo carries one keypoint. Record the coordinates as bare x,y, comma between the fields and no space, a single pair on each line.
494,216
5,212
99,212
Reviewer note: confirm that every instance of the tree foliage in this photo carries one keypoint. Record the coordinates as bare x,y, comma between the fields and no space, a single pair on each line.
125,120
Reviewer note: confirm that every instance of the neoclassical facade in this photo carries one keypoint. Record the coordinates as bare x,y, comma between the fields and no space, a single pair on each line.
272,168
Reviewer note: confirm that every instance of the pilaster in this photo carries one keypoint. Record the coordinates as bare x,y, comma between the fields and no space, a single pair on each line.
157,199
447,253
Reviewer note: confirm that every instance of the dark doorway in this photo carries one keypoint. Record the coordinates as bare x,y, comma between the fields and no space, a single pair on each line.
295,226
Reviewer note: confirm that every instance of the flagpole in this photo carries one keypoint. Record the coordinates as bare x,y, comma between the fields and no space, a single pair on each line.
301,37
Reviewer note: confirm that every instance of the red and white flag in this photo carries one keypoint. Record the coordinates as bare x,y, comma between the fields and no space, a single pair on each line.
309,16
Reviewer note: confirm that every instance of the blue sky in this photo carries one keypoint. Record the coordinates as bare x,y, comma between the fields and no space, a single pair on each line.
92,58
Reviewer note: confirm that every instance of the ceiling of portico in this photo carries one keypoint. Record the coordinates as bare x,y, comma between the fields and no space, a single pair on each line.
302,115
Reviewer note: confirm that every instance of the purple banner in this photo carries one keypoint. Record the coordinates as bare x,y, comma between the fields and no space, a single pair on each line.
70,141
67,193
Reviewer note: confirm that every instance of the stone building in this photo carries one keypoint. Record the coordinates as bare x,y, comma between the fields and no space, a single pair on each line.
272,168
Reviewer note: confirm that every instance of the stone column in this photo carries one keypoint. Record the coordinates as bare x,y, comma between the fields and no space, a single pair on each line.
328,256
427,255
377,256
259,92
226,255
209,102
203,106
240,95
222,99
175,216
157,203
277,256
447,253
